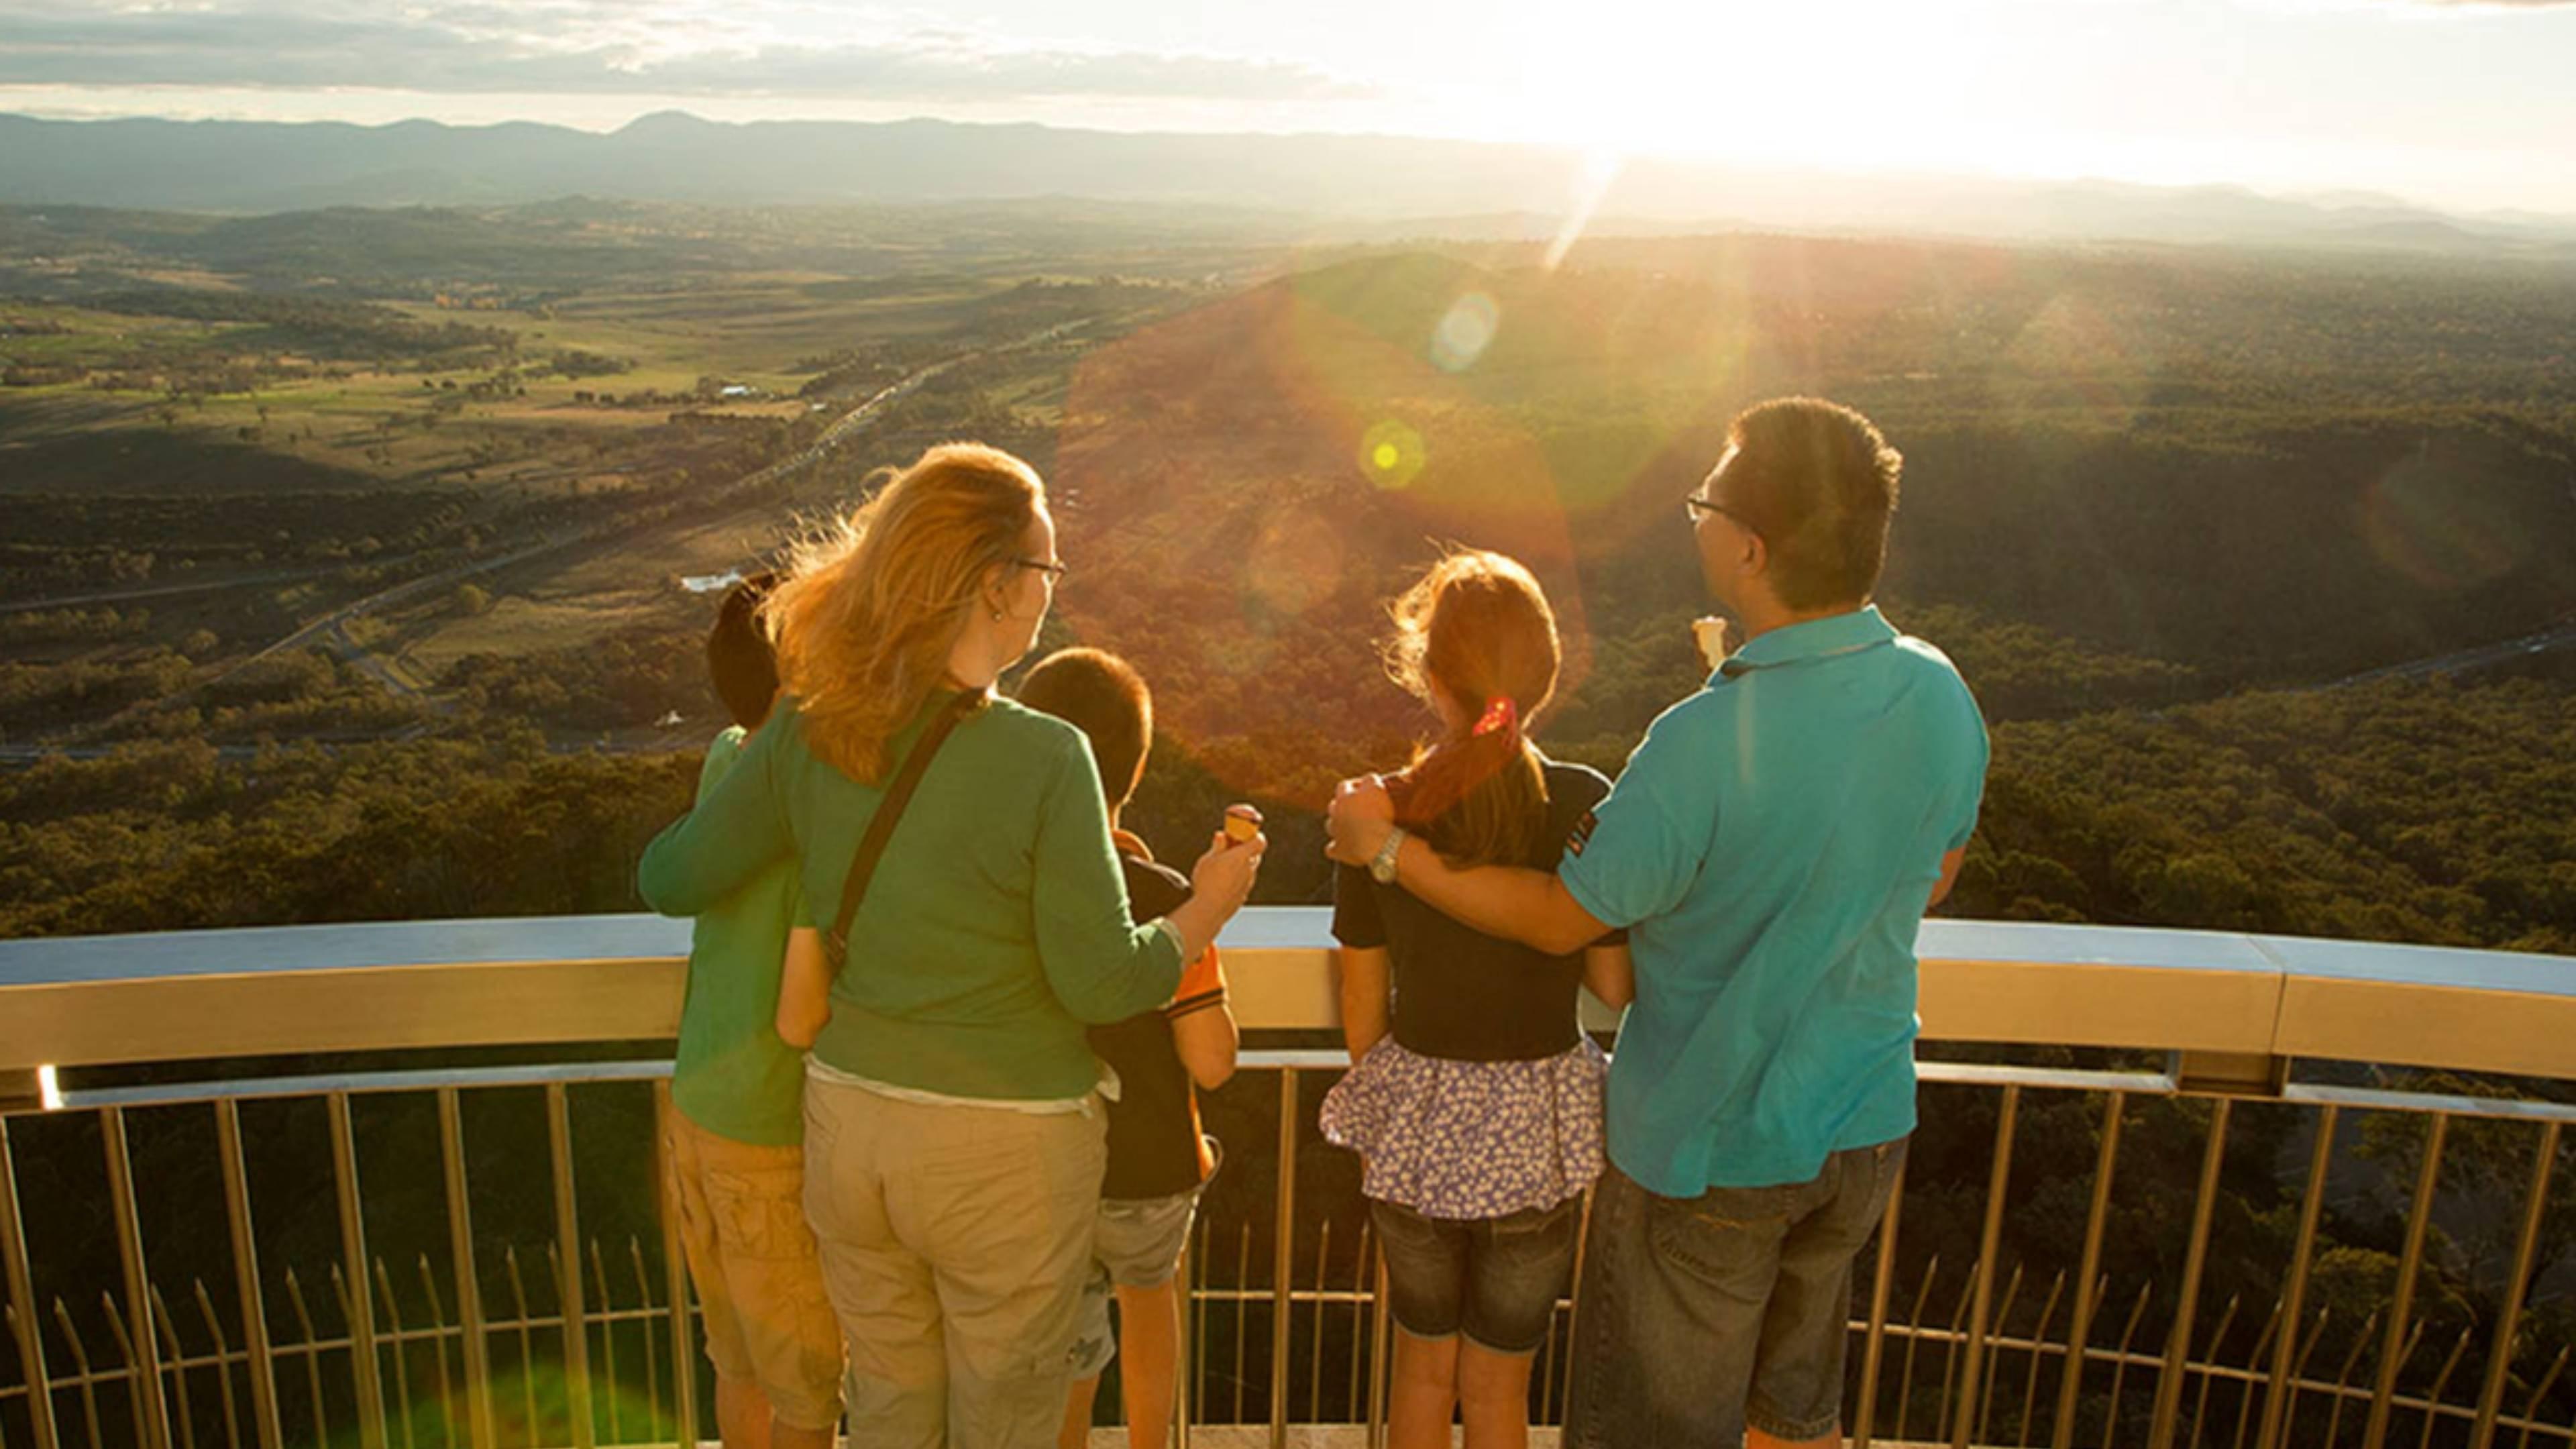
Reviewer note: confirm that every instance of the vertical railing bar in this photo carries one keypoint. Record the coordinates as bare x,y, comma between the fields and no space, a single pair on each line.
2120,1363
2299,1374
2343,1380
2419,1218
2170,1381
131,1374
1242,1276
2295,1296
2531,1406
1198,1326
1315,1342
353,1250
1913,1339
223,1367
2038,1342
174,1363
402,1356
1283,1258
151,1414
22,1301
2535,1203
1547,1371
2218,1336
1994,1360
1990,1241
2079,1328
652,1361
567,1265
80,1360
474,1349
2433,1404
438,1351
1359,1324
1378,1316
675,1279
2253,1370
1874,1340
1951,1344
527,1343
607,1340
312,1356
1191,1349
253,1302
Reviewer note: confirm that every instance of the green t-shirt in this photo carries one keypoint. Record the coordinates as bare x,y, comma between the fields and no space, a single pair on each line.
997,924
735,1077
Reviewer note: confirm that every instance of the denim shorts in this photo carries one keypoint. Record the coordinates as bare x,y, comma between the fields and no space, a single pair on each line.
1700,1316
1135,1243
1495,1280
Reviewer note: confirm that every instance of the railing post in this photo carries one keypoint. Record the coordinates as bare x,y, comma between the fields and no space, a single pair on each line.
362,1299
469,1282
2079,1329
2294,1300
1990,1239
254,1303
1283,1255
1874,1343
151,1413
2169,1384
684,1353
2535,1203
2419,1216
26,1328
576,1328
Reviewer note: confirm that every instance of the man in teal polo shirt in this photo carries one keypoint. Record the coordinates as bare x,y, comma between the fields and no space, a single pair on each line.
1769,848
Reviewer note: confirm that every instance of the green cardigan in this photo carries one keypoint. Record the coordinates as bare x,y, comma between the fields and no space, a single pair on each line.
997,924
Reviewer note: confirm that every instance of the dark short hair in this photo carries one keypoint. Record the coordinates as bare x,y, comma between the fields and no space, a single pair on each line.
1819,483
739,656
1103,696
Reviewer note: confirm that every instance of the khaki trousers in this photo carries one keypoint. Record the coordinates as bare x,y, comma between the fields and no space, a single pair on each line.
954,1243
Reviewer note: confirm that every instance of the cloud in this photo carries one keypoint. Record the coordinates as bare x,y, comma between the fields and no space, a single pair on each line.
592,47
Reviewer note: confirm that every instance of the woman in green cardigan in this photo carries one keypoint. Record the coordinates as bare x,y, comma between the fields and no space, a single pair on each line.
953,1136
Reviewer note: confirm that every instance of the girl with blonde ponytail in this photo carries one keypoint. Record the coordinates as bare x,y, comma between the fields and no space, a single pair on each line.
954,1137
1475,1098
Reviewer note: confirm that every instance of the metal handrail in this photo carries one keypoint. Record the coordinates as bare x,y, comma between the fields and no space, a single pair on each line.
2235,1002
2231,1008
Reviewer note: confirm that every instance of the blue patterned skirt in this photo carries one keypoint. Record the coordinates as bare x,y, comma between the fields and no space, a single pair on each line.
1468,1140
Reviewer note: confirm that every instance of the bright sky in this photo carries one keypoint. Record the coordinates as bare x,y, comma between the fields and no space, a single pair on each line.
2465,105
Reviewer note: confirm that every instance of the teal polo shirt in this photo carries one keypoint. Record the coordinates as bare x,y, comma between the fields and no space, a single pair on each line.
1771,847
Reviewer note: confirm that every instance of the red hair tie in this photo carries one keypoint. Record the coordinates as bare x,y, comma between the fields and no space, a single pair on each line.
1499,715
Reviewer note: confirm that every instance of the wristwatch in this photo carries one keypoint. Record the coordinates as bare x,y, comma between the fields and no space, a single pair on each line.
1382,864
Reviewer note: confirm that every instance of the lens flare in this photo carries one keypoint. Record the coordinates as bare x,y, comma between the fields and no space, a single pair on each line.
2427,518
1391,454
1465,331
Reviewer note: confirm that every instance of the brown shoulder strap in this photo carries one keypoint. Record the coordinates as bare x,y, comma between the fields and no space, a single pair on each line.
890,811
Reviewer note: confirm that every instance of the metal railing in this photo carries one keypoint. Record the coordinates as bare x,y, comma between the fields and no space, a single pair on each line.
543,1313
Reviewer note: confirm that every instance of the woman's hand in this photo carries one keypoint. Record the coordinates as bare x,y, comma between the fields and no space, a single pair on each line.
1358,821
1219,885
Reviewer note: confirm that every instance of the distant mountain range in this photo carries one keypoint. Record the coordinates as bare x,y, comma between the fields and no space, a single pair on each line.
1366,182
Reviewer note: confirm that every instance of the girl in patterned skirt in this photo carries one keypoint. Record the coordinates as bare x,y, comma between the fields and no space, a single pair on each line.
1475,1098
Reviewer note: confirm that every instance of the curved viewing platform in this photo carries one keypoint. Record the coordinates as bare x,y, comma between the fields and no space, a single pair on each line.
500,1274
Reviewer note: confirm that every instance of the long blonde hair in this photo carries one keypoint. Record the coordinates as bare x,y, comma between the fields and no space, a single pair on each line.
872,605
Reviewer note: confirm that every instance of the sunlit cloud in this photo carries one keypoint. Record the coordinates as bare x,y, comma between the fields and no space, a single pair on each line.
582,47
